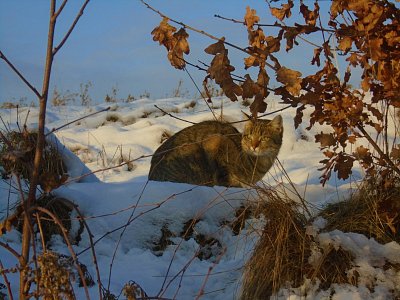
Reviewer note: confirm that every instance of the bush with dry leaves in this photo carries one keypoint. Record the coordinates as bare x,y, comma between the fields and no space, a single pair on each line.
367,34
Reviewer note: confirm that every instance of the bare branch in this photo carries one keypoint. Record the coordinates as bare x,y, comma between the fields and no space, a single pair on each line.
216,262
34,90
382,155
76,120
10,295
64,231
167,113
60,9
10,249
81,218
204,33
80,13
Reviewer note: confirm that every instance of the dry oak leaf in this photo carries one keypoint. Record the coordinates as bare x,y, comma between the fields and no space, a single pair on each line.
310,16
353,59
249,87
250,18
216,48
343,166
263,81
257,38
291,79
345,44
325,139
258,105
316,59
250,62
180,45
164,33
283,12
273,44
376,49
395,153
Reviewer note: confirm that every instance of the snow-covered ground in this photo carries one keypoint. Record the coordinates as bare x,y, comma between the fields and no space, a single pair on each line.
127,213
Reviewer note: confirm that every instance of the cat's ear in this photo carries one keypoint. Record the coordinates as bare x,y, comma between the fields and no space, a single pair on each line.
249,118
276,123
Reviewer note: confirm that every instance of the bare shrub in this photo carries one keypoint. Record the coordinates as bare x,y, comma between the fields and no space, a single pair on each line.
62,99
84,96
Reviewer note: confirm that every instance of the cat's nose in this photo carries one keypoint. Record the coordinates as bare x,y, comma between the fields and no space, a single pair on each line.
255,144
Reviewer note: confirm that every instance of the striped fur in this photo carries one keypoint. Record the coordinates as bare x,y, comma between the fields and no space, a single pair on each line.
215,153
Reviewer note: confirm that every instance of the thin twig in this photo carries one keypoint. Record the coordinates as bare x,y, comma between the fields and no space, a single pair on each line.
379,150
10,249
80,13
34,90
158,205
60,9
10,294
201,292
76,120
201,94
175,117
96,265
204,33
66,239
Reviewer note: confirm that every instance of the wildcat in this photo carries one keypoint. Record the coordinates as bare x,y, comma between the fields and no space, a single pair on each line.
215,153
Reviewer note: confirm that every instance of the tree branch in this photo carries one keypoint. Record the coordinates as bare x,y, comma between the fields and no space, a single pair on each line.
80,13
60,9
379,150
10,295
175,117
204,33
10,249
34,90
76,120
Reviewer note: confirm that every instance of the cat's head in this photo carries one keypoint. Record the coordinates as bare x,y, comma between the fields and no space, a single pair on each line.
262,137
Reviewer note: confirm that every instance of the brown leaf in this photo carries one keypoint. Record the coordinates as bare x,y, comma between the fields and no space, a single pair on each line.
258,105
325,139
216,48
309,16
273,43
376,49
283,12
395,154
250,88
353,59
250,18
263,80
179,45
164,33
345,44
299,116
343,166
250,62
361,152
316,59
182,43
291,79
376,112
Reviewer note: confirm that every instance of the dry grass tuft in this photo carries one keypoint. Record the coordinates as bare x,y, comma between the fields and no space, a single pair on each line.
17,152
287,255
280,255
62,209
331,267
371,211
